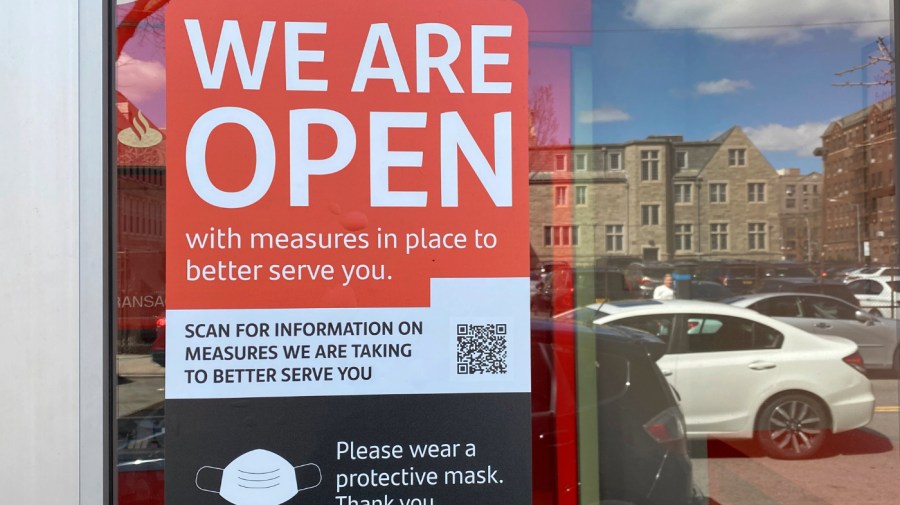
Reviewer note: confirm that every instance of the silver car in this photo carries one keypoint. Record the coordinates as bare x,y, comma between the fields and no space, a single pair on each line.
877,337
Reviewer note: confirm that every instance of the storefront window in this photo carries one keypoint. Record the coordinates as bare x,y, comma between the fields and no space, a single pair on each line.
646,119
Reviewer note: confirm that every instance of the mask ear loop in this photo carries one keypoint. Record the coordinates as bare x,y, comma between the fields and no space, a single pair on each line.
319,470
197,478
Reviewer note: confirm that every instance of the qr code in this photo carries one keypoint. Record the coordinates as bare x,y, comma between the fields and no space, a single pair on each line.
481,349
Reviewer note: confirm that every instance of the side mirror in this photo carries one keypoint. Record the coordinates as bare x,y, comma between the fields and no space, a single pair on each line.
866,318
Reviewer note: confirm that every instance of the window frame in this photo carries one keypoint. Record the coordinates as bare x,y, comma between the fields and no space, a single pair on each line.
615,234
580,195
682,193
737,156
649,165
650,214
716,196
617,156
756,192
684,237
756,232
560,196
718,237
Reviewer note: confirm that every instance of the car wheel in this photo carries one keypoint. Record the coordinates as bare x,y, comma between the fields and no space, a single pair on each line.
793,426
875,312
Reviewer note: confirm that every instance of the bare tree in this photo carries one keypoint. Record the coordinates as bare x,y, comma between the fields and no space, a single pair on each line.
543,117
883,61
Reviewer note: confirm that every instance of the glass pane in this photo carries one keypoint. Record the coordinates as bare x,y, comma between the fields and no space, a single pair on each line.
140,177
659,113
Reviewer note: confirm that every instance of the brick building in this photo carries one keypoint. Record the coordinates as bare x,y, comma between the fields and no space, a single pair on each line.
858,166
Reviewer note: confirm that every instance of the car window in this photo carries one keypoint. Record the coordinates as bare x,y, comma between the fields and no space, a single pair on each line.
706,333
865,287
894,285
782,306
823,308
658,325
613,373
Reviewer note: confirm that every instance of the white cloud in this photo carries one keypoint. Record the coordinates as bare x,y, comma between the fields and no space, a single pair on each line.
800,139
778,20
604,115
138,79
721,87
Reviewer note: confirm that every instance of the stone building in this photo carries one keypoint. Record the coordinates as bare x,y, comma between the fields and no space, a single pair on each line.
660,198
800,214
858,166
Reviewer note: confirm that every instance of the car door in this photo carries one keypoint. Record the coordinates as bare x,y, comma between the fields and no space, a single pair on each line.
826,316
723,367
868,292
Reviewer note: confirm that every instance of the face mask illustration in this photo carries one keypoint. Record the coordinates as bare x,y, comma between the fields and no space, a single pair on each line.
259,477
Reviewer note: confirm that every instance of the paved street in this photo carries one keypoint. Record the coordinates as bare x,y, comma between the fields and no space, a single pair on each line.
858,467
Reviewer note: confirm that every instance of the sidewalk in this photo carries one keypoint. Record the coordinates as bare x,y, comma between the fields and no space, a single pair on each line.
137,365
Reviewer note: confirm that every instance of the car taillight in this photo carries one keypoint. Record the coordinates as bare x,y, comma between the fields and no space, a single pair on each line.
161,322
667,428
856,361
645,281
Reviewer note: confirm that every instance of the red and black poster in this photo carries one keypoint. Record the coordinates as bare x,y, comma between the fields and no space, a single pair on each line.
347,253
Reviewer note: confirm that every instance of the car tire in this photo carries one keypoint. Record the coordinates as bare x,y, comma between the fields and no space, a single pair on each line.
875,312
793,426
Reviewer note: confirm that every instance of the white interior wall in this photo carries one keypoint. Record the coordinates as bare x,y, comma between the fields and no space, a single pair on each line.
51,233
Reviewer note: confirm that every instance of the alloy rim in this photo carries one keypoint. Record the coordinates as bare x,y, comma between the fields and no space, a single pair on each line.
795,426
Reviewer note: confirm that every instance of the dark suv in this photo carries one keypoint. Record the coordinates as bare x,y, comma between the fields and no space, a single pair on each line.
639,445
562,289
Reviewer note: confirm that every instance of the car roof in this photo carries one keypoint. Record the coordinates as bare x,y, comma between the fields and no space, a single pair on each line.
671,306
744,300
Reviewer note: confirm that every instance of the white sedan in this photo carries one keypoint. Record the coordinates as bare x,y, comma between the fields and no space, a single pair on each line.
742,375
878,295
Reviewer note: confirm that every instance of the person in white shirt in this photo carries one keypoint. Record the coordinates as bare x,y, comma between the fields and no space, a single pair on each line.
664,291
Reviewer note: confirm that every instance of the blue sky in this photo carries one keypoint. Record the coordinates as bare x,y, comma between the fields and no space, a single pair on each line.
697,67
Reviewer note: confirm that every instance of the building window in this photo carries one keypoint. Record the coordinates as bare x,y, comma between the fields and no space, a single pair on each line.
737,157
756,192
581,162
790,189
681,160
560,236
615,237
561,196
683,234
615,161
683,193
718,192
718,236
560,163
756,236
580,195
790,203
649,165
649,214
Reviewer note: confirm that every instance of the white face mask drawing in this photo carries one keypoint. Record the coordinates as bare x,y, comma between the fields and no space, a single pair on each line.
261,477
